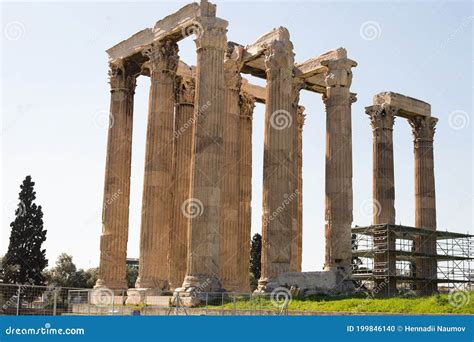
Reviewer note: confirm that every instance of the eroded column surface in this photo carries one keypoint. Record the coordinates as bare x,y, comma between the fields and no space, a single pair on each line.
229,232
204,225
338,188
115,210
279,187
183,139
247,105
157,201
425,200
382,119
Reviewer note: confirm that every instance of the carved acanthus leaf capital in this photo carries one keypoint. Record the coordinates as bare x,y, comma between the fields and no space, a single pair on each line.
121,78
162,56
339,73
381,116
298,85
211,34
423,127
301,117
279,55
232,66
247,105
184,90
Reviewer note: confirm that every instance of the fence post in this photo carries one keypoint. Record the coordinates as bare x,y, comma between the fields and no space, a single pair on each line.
235,304
113,302
18,293
222,304
55,301
207,302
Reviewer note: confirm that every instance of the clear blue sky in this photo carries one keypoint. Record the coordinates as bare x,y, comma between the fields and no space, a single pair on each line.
55,95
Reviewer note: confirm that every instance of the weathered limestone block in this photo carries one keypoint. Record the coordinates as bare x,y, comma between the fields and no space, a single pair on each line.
157,191
338,187
408,106
115,210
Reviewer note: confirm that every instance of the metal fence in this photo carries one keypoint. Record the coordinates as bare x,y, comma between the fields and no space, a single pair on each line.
50,300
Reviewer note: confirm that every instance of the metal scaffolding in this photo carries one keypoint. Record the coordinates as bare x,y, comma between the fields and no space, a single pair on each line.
384,259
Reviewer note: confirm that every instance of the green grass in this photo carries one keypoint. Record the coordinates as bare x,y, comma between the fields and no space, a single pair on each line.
419,305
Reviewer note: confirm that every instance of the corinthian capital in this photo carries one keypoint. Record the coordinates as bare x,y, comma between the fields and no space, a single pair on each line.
162,56
247,105
381,116
232,66
423,127
301,117
184,90
211,33
279,55
339,73
121,78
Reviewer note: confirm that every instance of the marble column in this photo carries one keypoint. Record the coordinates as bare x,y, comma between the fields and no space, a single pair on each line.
115,209
338,188
247,105
279,188
382,119
183,139
205,195
157,196
425,200
229,233
296,228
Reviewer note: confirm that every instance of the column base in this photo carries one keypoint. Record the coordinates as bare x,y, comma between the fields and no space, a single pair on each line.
196,290
111,284
152,284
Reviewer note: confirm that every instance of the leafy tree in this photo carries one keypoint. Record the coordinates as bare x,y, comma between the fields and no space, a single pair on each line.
132,274
255,259
25,259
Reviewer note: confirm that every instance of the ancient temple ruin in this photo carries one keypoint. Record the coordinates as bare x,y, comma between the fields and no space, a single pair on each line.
196,212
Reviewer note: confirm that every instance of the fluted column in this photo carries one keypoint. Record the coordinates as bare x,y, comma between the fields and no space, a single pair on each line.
382,119
247,105
203,239
115,209
183,139
229,233
157,196
296,237
278,169
425,200
338,187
